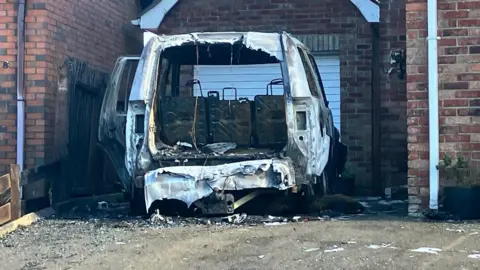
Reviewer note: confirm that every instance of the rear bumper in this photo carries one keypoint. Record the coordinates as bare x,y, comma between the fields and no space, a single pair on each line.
191,183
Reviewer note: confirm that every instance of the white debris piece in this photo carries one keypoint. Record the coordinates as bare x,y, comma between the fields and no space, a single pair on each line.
474,256
185,144
380,246
296,218
236,218
455,230
365,204
275,223
261,256
334,250
310,249
427,250
102,205
156,217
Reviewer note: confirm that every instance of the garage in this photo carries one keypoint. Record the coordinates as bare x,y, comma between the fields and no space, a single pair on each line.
252,80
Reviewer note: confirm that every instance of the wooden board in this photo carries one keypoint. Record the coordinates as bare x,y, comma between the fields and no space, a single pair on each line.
4,183
26,220
15,192
5,213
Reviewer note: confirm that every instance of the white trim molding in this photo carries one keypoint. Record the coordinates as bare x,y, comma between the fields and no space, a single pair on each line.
152,18
369,9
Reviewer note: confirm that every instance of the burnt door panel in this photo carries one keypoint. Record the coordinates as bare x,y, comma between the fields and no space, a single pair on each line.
270,125
182,115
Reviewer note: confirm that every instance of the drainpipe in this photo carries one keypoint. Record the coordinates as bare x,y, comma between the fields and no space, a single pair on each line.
20,83
433,130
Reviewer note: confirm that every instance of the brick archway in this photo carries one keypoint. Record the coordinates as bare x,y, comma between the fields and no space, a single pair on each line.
153,16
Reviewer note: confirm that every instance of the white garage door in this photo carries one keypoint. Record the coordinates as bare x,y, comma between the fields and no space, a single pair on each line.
329,67
251,80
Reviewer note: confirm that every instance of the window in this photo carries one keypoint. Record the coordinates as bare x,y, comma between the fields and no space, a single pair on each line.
311,78
319,78
164,78
126,85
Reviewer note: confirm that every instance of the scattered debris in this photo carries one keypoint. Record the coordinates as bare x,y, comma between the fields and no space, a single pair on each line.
236,218
473,233
261,256
434,214
365,204
296,218
276,221
336,203
102,205
310,249
369,198
219,148
156,217
427,250
184,144
384,202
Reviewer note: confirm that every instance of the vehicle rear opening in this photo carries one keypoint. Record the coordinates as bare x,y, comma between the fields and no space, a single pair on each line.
219,103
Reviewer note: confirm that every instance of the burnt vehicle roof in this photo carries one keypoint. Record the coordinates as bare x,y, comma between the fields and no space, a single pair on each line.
261,39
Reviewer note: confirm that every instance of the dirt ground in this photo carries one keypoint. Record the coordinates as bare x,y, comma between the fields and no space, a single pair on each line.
355,243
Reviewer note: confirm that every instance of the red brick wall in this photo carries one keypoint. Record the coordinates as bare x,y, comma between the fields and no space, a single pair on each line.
95,32
302,17
7,85
459,88
393,96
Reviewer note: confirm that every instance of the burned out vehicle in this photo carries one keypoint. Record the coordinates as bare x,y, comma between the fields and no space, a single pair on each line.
174,133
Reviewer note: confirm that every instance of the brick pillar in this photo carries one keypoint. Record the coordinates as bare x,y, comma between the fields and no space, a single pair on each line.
393,96
8,93
459,90
38,105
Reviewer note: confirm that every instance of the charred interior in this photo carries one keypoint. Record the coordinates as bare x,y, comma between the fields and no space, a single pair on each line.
210,126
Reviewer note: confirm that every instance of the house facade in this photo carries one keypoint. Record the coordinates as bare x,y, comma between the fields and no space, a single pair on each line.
58,41
378,96
345,37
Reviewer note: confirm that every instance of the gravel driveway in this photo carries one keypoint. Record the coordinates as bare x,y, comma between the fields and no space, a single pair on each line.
368,243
